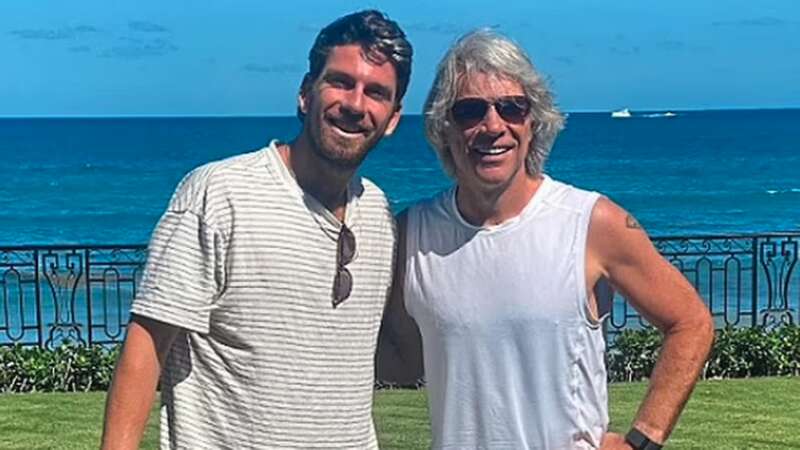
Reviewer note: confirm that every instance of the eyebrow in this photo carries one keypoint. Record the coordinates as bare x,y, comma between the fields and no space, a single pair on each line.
336,75
374,85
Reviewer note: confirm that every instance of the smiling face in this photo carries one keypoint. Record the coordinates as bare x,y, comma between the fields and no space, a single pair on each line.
489,154
350,106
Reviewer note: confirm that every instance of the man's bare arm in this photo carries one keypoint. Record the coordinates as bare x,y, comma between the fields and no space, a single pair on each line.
135,379
620,251
399,354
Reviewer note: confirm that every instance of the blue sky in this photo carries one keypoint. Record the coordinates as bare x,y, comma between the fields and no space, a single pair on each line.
246,57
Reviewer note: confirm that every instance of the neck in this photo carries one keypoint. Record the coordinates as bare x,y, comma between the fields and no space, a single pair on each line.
483,206
317,177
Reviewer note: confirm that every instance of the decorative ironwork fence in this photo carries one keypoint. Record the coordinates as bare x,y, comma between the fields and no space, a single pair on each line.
49,294
746,280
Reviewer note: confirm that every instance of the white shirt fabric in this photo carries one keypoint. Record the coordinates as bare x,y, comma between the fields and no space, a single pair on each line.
244,261
512,357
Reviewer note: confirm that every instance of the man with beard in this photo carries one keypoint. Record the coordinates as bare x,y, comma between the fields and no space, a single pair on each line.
501,272
267,275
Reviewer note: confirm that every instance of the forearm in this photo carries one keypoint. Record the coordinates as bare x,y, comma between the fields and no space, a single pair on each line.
128,407
133,388
683,353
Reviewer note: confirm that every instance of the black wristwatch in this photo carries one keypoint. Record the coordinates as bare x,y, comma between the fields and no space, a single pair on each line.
640,441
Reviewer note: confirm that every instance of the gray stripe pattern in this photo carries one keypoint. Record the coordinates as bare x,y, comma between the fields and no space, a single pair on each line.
244,262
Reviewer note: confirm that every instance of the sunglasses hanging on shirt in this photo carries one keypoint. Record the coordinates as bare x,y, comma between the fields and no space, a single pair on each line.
345,252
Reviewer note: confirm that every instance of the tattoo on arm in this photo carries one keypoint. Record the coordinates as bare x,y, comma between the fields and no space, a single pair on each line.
632,223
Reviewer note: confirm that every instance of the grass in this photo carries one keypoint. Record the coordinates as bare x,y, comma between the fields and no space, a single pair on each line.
58,421
757,413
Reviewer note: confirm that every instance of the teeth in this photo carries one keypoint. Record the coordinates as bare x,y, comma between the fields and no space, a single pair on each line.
491,151
347,132
345,128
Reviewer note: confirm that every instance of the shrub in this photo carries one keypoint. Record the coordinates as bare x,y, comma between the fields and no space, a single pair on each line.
69,367
737,352
787,356
746,352
633,354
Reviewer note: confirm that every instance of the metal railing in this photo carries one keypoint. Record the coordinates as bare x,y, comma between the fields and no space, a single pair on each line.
49,294
745,280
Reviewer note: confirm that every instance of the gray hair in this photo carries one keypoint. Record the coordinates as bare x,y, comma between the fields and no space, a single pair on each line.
484,51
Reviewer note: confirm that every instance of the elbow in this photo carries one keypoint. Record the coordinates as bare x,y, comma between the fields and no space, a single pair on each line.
701,327
696,328
708,330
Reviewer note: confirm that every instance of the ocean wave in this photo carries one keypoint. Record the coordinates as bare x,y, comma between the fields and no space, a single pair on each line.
658,115
783,191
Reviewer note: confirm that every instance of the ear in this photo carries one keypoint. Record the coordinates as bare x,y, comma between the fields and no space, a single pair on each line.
302,96
393,121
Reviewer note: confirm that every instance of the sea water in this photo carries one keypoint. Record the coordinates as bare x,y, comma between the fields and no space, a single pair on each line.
107,180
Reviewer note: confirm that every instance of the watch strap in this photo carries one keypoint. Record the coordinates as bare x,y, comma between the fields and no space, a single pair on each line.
640,441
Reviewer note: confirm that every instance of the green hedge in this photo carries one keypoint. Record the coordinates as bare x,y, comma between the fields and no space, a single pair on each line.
68,368
737,353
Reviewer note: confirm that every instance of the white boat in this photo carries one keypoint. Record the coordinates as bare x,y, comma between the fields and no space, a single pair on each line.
669,114
621,114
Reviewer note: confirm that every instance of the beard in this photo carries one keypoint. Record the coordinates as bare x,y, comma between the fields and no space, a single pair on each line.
342,152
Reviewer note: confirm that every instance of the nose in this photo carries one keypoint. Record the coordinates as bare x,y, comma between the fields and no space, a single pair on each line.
492,122
353,102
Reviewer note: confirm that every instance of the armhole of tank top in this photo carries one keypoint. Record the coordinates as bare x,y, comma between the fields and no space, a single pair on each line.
410,248
581,242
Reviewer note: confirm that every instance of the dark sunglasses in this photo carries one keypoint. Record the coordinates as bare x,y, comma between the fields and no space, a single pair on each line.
470,111
345,252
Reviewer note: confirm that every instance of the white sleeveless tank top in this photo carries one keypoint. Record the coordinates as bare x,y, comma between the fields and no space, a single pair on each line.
512,357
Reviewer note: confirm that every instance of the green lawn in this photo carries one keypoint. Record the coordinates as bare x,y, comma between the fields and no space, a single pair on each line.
759,413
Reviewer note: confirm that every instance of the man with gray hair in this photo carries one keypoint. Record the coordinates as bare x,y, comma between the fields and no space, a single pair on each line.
500,274
267,275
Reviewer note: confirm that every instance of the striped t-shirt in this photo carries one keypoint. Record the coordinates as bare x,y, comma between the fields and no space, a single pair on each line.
244,261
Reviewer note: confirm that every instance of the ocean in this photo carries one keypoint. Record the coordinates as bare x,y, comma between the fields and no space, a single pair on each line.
107,180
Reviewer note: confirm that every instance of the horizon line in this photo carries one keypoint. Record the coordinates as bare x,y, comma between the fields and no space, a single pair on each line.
277,116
